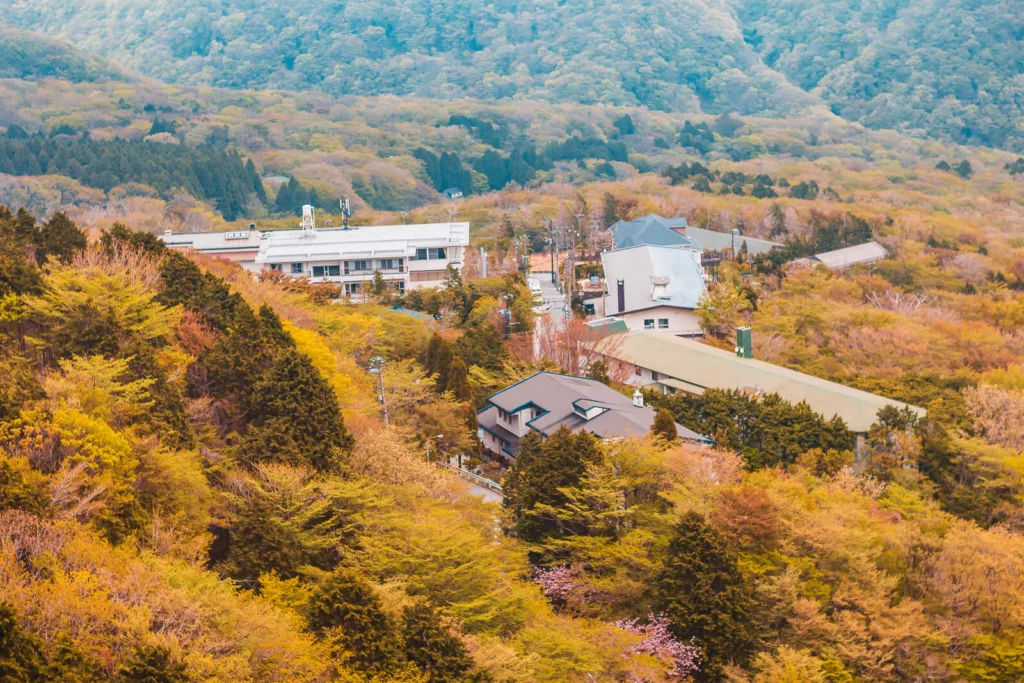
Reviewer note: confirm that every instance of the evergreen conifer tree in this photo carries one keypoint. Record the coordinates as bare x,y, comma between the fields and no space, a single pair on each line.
432,648
442,361
702,591
59,239
664,426
153,665
21,660
294,415
430,353
347,608
458,380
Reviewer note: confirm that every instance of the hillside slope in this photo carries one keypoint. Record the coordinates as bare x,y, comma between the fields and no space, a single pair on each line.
665,54
949,69
31,56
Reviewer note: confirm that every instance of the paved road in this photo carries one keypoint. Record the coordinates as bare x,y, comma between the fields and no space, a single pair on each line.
488,495
552,298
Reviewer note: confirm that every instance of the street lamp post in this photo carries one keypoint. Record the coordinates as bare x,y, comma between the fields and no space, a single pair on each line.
377,368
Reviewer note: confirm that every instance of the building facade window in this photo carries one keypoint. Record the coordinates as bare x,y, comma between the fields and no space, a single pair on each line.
662,323
426,275
390,264
638,371
275,266
296,269
326,271
649,323
353,288
361,266
431,254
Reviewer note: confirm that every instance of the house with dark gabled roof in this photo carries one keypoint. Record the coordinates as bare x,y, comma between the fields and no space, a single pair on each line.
547,401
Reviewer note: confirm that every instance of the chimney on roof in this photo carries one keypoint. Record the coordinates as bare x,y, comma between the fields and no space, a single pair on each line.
638,399
620,287
744,344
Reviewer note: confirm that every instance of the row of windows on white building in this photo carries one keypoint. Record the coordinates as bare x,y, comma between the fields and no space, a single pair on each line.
362,266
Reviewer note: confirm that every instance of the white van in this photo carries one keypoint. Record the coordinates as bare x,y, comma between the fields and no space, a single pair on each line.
535,290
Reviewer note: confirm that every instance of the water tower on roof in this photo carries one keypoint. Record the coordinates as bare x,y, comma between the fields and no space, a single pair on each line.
308,220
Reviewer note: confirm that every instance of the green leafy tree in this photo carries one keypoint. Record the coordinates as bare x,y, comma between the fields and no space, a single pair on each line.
705,595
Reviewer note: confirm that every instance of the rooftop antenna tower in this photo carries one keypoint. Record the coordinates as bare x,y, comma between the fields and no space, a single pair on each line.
346,213
308,220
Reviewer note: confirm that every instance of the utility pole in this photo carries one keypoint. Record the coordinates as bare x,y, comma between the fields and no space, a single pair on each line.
377,367
551,241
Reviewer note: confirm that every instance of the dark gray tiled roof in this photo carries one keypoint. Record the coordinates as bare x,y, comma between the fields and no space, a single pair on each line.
651,229
555,394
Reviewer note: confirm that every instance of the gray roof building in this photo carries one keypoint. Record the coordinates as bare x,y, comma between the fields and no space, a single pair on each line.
649,276
656,230
651,229
671,364
712,240
869,252
546,401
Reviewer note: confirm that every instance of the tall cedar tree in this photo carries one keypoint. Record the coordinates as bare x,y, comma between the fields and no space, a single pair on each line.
347,605
58,240
540,470
18,275
664,426
702,591
430,353
442,361
262,542
458,380
294,415
433,648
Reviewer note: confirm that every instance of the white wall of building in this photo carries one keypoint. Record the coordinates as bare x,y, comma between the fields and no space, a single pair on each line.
665,319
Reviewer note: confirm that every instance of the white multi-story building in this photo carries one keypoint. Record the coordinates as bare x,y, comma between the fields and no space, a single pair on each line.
407,256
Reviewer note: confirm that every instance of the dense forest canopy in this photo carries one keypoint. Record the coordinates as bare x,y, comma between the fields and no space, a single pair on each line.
948,69
29,55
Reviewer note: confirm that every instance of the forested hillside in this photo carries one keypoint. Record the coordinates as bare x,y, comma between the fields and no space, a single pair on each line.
945,69
32,56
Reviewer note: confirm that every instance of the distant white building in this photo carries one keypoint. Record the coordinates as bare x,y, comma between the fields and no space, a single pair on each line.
240,246
407,256
654,287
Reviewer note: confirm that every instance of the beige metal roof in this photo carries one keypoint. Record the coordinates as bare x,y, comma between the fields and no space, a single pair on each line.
693,363
869,252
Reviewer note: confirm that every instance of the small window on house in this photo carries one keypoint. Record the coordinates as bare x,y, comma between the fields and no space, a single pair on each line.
275,266
296,269
655,376
421,254
649,324
638,371
662,323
